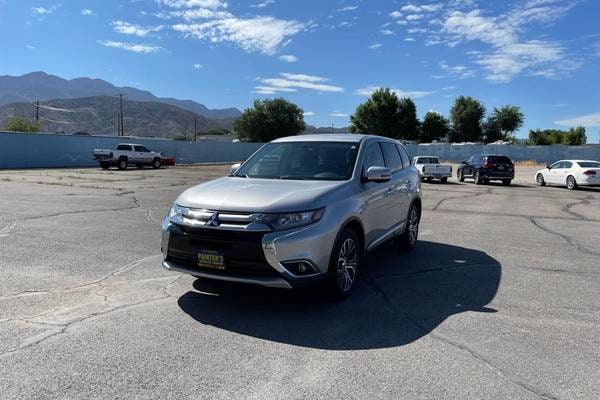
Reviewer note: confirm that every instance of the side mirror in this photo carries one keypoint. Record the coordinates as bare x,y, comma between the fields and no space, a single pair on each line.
463,162
234,168
378,174
548,166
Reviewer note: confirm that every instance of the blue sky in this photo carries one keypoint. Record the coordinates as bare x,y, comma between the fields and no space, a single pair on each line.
325,55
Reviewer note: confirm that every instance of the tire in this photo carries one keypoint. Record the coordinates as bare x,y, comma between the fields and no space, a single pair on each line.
104,164
506,182
477,178
344,265
461,175
539,179
156,163
408,239
123,163
571,183
444,180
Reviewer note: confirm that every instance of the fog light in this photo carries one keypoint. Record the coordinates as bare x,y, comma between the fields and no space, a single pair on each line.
300,268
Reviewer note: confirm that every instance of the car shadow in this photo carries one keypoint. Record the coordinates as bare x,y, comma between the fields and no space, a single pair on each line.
398,299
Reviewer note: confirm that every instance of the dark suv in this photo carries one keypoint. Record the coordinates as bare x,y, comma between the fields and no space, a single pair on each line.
487,168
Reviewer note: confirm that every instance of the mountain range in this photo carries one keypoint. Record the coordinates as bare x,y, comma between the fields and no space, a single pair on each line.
42,86
98,115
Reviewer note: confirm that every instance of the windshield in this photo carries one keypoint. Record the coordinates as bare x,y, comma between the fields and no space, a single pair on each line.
589,164
331,161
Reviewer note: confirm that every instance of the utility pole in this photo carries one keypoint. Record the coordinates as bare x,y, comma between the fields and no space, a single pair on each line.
121,114
37,112
195,131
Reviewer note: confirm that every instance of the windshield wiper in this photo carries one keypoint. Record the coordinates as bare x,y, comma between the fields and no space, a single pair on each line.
239,175
296,177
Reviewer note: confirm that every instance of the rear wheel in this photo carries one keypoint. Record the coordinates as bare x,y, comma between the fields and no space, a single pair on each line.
122,163
444,180
104,164
571,182
156,163
539,179
477,178
506,182
408,239
343,267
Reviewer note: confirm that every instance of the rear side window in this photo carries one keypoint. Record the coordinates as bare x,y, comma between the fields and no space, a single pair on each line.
403,155
373,157
124,147
567,164
141,149
589,164
392,156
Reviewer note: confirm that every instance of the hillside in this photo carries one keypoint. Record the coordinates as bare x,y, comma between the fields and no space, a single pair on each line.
42,86
98,116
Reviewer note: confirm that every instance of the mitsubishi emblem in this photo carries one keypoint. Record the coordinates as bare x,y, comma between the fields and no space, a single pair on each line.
213,220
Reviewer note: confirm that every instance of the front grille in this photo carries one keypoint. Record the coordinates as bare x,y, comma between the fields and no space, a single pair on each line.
242,250
225,220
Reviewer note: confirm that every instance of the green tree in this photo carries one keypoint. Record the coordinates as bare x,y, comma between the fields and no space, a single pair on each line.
18,124
386,115
492,130
269,120
466,115
510,119
576,136
434,127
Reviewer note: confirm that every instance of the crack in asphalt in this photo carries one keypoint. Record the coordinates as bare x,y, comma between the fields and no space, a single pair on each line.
439,203
566,238
82,285
371,283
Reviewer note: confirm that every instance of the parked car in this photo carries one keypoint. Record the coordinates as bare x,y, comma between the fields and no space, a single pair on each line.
429,168
485,168
301,211
570,173
128,154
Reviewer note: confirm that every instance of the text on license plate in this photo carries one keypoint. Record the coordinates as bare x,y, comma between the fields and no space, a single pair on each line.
211,259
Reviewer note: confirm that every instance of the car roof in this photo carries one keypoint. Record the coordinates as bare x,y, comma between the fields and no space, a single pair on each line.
329,137
579,160
129,144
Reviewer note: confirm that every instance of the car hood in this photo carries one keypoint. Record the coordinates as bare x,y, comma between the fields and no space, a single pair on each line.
257,195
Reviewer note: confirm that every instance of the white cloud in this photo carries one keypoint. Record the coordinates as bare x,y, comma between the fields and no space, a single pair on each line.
387,32
134,47
308,113
198,66
414,17
509,55
287,82
263,4
416,94
348,8
127,28
338,114
588,121
425,8
87,12
211,4
396,14
288,58
30,47
44,10
457,71
272,90
375,46
258,34
409,39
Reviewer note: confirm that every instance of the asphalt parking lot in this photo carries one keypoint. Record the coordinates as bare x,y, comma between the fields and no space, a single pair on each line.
500,300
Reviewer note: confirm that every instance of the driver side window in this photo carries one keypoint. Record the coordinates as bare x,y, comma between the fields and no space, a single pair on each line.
373,157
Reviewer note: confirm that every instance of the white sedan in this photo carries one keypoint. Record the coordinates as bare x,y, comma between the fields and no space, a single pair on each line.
570,173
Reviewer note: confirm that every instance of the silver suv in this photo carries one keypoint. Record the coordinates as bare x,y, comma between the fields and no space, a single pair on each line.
301,210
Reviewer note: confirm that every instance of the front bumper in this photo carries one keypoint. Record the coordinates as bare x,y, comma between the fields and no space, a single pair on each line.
259,258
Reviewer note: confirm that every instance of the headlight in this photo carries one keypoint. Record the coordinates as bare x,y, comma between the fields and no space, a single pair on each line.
176,214
281,222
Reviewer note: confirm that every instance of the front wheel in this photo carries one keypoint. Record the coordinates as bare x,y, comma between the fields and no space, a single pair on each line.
408,239
571,182
156,163
477,178
539,179
461,175
104,164
506,182
343,267
122,163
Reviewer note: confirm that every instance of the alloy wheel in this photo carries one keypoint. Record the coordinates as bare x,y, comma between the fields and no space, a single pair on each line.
347,263
413,226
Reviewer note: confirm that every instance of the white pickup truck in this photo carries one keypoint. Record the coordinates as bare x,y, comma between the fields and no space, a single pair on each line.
128,154
429,168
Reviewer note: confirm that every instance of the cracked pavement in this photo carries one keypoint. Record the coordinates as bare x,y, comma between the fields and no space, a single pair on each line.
500,300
